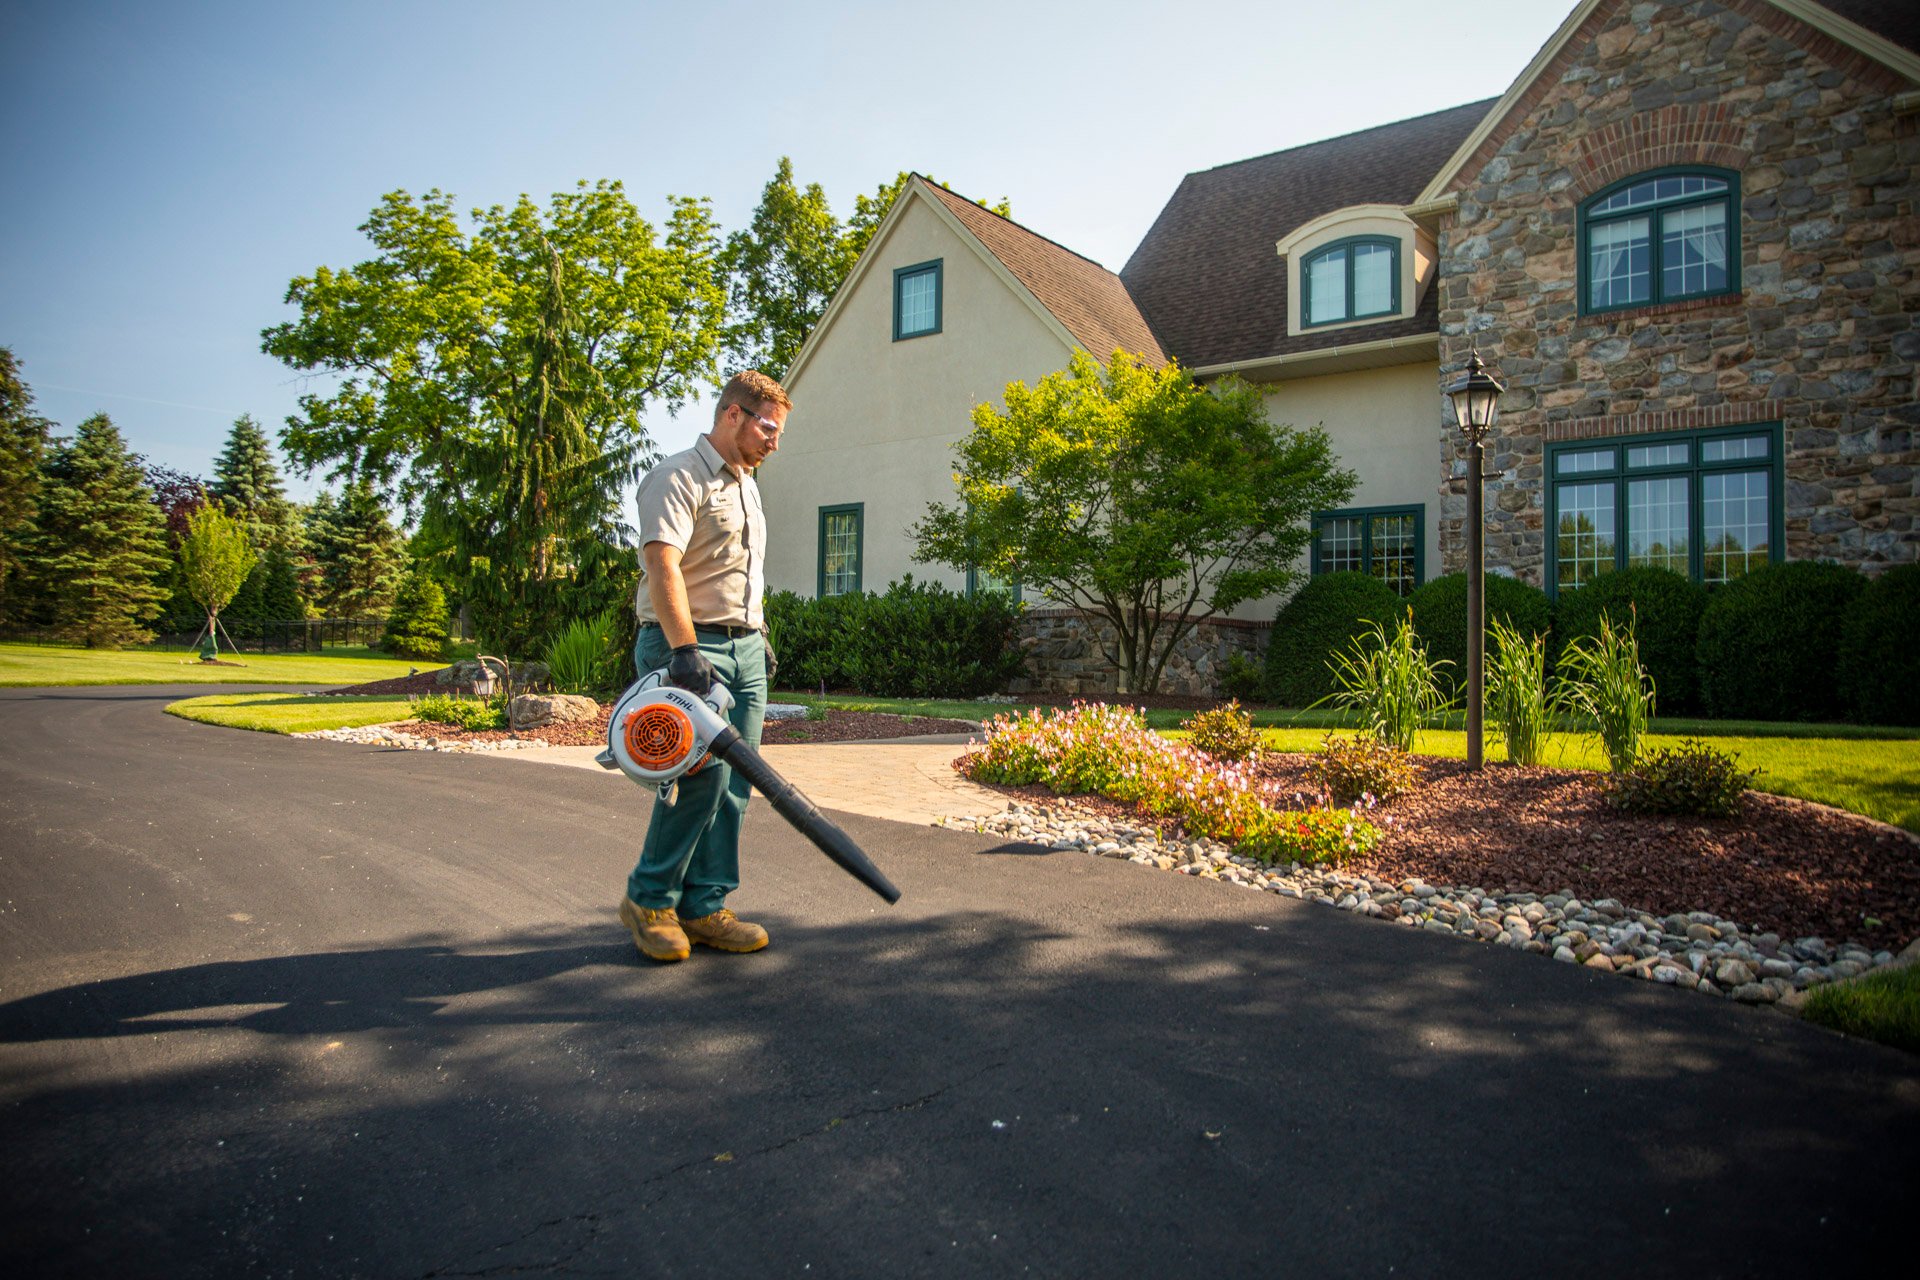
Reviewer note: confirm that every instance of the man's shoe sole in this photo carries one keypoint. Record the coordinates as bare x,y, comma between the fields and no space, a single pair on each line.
723,946
630,917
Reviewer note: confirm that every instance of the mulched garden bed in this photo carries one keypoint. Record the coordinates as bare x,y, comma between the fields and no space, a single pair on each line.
1783,865
839,726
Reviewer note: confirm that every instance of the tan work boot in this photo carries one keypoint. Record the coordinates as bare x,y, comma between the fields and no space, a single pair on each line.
725,931
656,931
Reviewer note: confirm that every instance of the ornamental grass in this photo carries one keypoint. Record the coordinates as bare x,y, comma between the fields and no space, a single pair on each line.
1107,750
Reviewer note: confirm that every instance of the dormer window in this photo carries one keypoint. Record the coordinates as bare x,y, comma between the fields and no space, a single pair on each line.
1351,279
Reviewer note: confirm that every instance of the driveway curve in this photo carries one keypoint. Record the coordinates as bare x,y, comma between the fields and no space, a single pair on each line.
312,1009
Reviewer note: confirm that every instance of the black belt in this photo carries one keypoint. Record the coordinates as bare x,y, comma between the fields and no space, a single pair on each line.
727,629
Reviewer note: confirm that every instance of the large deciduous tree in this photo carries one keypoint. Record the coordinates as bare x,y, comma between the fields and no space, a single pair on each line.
23,447
1136,495
99,542
455,359
786,265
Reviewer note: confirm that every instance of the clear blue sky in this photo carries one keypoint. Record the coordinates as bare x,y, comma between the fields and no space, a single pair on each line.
170,167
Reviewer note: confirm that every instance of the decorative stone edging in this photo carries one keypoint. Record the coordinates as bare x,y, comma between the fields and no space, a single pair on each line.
1696,950
380,735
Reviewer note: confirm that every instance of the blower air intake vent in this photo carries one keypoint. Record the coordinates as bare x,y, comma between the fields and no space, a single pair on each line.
659,736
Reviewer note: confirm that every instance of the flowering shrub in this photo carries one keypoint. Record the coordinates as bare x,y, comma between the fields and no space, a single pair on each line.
1108,750
1349,768
1225,733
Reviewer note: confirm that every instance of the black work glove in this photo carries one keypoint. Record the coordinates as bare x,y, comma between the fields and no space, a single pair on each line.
689,669
773,660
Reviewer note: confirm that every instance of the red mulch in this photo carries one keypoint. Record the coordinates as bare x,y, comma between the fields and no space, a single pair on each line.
1783,865
859,726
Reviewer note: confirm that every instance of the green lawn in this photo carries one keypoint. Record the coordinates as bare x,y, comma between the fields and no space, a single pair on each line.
28,664
291,712
1883,1006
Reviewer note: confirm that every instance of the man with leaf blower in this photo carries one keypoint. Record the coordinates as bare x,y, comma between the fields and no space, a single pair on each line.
703,538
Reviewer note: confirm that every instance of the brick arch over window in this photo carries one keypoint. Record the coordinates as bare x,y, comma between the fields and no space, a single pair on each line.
1690,134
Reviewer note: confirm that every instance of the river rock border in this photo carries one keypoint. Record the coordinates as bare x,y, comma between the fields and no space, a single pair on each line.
1698,951
380,735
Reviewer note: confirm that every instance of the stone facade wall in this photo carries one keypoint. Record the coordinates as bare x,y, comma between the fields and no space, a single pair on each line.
1823,336
1065,654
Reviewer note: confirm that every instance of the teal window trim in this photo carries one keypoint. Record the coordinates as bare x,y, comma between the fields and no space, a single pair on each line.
1693,468
937,269
977,583
858,510
1339,246
1585,222
1367,516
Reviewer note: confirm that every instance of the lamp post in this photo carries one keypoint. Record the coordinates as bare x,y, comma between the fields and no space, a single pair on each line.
1474,399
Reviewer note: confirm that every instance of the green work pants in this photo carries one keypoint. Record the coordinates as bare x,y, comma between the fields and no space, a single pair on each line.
691,858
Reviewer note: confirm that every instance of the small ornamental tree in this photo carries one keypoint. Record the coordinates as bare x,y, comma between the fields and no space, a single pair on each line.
216,558
1138,496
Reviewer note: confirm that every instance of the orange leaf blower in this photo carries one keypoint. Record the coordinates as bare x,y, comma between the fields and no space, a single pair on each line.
660,733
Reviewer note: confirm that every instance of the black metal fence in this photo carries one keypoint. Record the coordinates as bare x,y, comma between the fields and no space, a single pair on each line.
286,635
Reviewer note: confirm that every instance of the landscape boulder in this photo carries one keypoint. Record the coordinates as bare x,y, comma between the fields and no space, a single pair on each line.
538,710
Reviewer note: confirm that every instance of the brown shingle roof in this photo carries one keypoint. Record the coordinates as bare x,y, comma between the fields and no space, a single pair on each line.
1207,276
1083,295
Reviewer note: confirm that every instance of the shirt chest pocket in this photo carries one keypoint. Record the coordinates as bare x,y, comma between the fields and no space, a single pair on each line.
727,524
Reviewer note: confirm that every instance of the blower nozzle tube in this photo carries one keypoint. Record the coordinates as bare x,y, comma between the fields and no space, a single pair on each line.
807,819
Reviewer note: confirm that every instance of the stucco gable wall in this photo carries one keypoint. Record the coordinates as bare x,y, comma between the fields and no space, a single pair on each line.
1825,332
875,421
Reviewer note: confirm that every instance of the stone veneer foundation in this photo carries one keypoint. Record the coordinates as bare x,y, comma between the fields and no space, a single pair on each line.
1064,650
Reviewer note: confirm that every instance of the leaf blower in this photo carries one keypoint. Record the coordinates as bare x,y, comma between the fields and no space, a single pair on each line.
660,733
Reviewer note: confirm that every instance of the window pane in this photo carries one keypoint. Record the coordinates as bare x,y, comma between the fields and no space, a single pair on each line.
1734,523
1327,287
841,553
1394,540
1372,279
1340,545
1693,250
1619,262
1657,523
1585,536
1658,189
917,293
1728,450
1568,464
1657,455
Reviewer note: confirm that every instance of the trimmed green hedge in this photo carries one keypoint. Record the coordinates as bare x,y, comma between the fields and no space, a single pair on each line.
1769,642
1664,608
917,640
1880,650
1322,619
1440,617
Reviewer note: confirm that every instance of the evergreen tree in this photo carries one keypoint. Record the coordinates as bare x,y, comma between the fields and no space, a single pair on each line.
99,540
23,447
280,588
246,481
359,555
417,627
178,494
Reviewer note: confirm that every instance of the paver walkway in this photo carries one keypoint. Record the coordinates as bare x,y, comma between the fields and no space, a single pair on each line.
903,780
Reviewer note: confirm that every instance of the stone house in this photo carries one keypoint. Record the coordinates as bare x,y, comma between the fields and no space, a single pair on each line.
1685,236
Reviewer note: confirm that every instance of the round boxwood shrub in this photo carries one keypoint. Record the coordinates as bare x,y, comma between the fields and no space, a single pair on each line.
1879,661
1440,617
1768,642
1321,620
1664,608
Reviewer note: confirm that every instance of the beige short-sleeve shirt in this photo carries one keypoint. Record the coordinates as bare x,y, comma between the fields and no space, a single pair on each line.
696,502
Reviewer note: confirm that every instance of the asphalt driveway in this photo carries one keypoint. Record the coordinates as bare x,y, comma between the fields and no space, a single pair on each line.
294,1007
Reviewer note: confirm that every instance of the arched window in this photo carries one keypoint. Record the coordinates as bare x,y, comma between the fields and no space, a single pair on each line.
1350,280
1660,237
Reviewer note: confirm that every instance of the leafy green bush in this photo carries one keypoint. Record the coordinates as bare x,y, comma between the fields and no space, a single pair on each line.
1601,680
1440,617
1692,779
1323,618
1348,769
1224,733
1517,701
1108,750
417,624
1241,678
1769,640
1391,684
1664,609
577,654
917,640
468,713
1879,659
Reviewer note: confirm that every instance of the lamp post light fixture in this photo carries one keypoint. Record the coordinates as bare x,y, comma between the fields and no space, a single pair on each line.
483,679
1474,399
